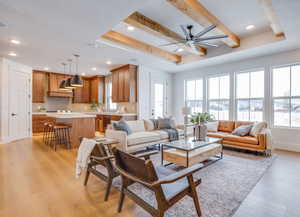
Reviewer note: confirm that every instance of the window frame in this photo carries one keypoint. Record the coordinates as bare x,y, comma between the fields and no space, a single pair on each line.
203,92
219,99
289,98
249,99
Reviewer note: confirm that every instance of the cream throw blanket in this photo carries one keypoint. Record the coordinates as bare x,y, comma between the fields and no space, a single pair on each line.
85,149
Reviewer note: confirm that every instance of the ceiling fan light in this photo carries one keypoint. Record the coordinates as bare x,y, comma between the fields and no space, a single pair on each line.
76,81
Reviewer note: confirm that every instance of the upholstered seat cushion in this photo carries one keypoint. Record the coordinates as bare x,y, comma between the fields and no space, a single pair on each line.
218,134
142,137
242,139
162,134
172,189
226,126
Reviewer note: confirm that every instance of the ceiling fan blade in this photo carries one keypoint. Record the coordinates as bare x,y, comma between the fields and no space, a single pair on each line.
169,44
193,46
206,30
184,31
211,37
206,44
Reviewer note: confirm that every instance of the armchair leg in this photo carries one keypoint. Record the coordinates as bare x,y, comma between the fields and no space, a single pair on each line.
194,195
121,200
87,175
108,187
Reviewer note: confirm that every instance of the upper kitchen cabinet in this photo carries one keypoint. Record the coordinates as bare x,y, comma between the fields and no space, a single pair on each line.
38,86
124,84
91,92
54,81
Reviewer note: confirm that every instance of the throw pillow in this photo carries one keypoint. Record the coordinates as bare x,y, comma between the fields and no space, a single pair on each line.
123,126
164,123
149,125
155,123
243,130
257,127
212,126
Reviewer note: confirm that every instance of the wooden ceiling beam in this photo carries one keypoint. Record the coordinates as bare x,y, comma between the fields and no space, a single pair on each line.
148,25
203,17
141,46
272,18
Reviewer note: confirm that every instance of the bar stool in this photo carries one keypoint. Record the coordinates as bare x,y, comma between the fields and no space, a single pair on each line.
57,134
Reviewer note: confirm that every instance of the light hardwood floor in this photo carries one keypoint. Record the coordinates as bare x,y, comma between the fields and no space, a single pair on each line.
35,181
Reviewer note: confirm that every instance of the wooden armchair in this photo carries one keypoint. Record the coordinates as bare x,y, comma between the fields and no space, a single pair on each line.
168,186
102,156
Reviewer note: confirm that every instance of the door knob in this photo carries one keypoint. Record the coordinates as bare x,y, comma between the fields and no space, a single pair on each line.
13,114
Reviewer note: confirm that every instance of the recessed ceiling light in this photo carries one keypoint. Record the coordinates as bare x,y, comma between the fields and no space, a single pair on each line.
13,54
249,27
108,62
130,28
82,73
180,49
13,41
94,68
46,68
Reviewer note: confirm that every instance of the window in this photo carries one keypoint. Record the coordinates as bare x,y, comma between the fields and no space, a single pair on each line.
194,95
218,97
250,96
286,96
110,106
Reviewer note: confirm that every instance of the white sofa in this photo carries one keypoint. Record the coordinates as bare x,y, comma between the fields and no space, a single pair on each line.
143,135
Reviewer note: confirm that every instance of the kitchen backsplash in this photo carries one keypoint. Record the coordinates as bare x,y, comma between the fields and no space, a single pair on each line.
58,103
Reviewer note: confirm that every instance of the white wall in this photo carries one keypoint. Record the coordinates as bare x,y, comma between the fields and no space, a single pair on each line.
284,138
145,76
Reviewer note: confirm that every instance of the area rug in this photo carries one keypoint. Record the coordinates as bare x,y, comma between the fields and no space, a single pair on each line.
225,184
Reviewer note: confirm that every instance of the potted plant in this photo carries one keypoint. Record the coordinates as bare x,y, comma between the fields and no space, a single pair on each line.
94,106
200,129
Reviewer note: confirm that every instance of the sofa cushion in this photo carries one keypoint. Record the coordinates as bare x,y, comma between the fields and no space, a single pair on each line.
136,126
218,134
162,134
242,123
226,126
244,139
257,127
142,137
123,126
164,123
212,126
149,125
243,130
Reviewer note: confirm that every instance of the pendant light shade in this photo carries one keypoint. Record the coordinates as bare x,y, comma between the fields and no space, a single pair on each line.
62,85
68,80
76,80
68,84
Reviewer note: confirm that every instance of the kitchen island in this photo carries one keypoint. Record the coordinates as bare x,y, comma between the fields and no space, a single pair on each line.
82,125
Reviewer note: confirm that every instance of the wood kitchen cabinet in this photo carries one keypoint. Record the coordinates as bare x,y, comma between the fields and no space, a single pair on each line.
38,86
54,81
91,92
124,84
38,121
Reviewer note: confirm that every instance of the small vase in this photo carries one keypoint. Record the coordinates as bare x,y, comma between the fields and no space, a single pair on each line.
200,131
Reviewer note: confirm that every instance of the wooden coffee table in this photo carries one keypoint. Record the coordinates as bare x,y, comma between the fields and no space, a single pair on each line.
187,152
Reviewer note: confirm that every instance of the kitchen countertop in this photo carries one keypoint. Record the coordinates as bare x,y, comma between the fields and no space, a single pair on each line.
52,114
69,115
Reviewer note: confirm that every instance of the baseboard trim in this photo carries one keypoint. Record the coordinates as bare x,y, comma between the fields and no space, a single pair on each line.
288,147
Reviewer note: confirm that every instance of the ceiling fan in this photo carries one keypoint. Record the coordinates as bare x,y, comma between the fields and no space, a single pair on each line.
192,40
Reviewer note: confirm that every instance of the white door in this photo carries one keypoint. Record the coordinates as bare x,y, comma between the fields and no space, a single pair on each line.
19,103
158,98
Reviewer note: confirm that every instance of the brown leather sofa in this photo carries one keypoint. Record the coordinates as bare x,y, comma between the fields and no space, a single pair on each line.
225,129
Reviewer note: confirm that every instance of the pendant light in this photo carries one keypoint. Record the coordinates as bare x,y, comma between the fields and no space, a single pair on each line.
76,80
62,85
68,81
